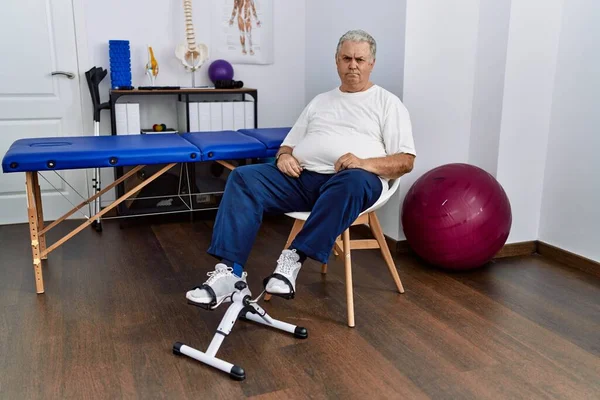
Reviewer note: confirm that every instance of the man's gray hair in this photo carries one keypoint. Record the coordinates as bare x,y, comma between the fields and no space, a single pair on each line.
358,36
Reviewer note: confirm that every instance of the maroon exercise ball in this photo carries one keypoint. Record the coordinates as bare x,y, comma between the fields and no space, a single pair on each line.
456,216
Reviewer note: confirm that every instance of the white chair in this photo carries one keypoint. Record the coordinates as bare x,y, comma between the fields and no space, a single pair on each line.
343,244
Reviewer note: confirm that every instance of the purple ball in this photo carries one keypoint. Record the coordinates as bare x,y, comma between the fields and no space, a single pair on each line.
456,216
220,70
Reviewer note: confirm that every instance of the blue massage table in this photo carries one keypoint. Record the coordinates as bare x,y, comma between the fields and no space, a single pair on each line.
61,153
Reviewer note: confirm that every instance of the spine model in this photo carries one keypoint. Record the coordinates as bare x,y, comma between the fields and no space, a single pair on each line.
191,54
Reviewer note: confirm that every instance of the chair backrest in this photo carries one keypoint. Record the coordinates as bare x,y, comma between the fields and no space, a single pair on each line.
393,184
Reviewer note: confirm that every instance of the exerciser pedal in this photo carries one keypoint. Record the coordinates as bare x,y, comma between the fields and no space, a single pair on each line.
287,296
213,303
242,307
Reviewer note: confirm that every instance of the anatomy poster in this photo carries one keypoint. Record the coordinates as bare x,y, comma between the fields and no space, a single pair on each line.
242,31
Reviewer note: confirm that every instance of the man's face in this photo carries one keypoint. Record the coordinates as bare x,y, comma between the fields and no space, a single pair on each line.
354,63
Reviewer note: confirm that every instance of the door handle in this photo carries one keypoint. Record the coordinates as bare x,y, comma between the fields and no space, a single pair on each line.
69,75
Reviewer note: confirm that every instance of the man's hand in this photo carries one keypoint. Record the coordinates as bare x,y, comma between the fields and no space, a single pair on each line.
289,165
391,167
349,161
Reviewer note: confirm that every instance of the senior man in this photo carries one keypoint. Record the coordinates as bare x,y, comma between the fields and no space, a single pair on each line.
335,162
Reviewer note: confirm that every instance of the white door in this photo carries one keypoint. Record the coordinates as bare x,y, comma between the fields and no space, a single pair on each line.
38,38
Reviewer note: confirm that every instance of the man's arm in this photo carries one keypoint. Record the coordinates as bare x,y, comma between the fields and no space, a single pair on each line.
398,142
391,167
284,150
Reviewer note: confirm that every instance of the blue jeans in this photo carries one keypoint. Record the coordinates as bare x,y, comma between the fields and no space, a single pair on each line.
335,201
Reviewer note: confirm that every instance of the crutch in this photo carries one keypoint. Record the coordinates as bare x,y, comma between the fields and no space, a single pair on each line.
94,76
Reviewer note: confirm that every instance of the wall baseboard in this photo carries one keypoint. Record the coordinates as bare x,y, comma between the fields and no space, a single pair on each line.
524,249
568,258
509,250
517,249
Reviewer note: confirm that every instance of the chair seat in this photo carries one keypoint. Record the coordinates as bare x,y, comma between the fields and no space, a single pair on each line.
301,215
383,198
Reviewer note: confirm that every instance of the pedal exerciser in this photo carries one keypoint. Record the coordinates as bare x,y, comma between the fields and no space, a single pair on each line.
243,307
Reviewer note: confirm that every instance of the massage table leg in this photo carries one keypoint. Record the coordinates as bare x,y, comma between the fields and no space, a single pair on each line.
32,212
40,214
35,215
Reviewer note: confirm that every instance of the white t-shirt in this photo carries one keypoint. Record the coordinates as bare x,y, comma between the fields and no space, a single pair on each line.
372,123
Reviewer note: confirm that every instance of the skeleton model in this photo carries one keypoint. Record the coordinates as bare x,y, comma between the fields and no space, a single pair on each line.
244,9
191,55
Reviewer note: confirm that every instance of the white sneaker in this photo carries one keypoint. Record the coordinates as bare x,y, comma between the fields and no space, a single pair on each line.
288,266
221,283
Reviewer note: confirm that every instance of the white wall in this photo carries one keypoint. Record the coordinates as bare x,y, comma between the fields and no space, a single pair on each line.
570,212
528,91
326,21
439,81
480,80
490,56
160,24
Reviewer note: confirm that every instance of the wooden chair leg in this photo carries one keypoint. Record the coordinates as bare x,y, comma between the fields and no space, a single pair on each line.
385,251
348,267
40,213
338,247
298,224
33,231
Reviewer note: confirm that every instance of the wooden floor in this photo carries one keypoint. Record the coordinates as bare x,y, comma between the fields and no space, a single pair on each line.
114,305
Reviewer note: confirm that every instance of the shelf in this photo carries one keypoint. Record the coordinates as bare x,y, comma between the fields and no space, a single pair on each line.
210,185
181,91
208,189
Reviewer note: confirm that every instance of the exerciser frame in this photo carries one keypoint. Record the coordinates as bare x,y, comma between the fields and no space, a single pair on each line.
242,307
